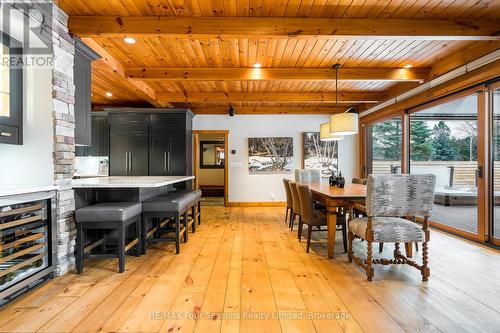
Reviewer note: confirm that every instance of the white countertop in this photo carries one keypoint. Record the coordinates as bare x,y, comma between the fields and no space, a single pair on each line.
129,182
26,190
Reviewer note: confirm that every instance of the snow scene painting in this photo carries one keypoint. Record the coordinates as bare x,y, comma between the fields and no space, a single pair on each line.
321,155
270,155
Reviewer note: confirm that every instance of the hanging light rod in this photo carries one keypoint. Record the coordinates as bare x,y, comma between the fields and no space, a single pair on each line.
342,123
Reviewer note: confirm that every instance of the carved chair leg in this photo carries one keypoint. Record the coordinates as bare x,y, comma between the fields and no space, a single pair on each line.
369,259
409,250
396,250
426,272
349,252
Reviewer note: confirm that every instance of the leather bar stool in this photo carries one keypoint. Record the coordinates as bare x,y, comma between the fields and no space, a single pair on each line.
162,210
107,216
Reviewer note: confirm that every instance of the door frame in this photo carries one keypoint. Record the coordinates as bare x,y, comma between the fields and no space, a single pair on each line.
494,239
196,154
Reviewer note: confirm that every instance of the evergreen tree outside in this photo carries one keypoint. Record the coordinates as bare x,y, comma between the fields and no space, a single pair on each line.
420,141
442,143
386,140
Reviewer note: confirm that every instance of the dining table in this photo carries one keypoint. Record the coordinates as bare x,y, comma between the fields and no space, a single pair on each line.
335,198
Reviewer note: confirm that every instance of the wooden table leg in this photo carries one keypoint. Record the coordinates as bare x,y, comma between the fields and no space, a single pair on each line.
331,218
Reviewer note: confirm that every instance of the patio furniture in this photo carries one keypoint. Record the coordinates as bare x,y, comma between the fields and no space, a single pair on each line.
389,198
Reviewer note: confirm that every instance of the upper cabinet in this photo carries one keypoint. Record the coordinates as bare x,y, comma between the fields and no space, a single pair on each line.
11,94
145,142
82,77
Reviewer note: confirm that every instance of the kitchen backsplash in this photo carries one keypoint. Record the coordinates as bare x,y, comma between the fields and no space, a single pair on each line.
87,166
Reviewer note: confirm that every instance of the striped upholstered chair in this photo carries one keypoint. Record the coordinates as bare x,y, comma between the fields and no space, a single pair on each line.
391,201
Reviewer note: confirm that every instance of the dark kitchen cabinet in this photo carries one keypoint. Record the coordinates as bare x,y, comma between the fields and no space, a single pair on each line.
100,137
167,154
129,155
83,104
167,150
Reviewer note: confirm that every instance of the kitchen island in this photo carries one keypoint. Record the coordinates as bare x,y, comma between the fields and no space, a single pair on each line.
89,191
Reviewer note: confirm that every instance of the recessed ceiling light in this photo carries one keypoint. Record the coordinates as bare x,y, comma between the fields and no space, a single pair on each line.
109,94
129,40
408,66
257,65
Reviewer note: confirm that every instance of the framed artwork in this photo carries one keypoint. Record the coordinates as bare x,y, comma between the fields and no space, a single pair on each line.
321,155
270,155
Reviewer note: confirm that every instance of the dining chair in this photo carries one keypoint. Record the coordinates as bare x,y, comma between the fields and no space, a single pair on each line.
295,203
390,201
307,175
315,218
289,203
359,210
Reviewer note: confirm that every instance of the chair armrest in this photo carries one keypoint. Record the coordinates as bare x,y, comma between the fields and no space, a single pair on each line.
359,207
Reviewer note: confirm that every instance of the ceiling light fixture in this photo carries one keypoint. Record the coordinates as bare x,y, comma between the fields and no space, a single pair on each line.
231,111
342,123
129,40
109,94
324,133
257,65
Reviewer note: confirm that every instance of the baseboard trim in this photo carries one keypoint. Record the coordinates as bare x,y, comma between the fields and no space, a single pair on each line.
257,204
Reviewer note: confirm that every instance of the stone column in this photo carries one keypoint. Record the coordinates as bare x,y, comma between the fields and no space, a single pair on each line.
63,100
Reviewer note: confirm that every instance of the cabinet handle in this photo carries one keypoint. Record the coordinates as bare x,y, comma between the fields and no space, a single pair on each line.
130,162
165,161
6,134
169,161
126,162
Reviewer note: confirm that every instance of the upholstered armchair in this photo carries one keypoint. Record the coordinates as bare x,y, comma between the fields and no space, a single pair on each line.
307,175
391,202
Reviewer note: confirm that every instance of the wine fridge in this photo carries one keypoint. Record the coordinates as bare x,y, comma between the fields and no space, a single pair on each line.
27,242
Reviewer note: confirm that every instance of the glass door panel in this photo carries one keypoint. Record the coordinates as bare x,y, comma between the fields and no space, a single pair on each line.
495,107
384,144
443,141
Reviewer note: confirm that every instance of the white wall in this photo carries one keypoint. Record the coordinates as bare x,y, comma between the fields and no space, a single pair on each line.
244,187
31,164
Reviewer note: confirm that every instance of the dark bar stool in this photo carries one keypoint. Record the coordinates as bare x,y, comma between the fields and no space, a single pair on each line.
161,210
111,216
197,198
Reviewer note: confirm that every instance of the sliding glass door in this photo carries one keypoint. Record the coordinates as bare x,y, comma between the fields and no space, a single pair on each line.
384,147
444,142
495,148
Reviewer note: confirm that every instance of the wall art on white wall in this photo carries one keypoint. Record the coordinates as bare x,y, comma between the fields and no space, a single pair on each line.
321,155
270,155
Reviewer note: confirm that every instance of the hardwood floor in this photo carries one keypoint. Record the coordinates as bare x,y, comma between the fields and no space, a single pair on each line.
244,271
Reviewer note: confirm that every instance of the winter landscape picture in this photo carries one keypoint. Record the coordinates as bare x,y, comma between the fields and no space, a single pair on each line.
321,155
270,155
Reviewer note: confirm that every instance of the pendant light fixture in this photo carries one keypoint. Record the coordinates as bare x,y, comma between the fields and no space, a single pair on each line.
324,133
342,123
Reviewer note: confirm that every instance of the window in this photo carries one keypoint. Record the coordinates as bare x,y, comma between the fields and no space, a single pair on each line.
4,83
443,141
384,142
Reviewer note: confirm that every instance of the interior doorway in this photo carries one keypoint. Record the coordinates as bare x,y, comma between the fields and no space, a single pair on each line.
210,166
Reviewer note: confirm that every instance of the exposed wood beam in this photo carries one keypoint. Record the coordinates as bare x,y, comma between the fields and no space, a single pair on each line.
463,56
111,67
268,110
343,97
358,28
255,74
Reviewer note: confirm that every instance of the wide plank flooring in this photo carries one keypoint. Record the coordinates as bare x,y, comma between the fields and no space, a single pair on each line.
245,271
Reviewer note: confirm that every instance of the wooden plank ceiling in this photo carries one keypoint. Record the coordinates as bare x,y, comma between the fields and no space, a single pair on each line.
201,54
